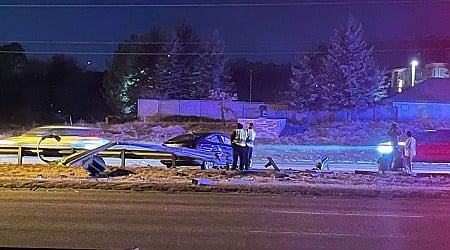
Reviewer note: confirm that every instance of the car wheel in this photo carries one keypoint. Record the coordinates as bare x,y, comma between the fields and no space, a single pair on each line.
207,165
168,163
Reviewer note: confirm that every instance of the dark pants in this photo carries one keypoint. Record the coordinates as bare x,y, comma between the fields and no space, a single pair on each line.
239,152
397,159
248,158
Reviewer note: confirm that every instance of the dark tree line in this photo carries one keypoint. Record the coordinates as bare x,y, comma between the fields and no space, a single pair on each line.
60,90
53,90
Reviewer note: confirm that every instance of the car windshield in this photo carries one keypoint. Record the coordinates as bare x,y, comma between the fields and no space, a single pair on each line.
186,137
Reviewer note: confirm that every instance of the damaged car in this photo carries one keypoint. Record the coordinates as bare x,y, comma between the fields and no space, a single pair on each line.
214,142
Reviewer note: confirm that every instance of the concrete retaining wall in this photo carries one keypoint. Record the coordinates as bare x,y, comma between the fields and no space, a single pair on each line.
416,110
265,127
234,110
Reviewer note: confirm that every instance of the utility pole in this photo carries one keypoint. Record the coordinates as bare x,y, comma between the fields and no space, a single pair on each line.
251,81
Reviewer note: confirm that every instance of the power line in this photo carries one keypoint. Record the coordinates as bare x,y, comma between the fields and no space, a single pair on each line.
205,42
196,5
95,42
200,53
149,53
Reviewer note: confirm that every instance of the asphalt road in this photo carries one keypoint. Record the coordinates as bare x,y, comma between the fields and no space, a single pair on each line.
123,220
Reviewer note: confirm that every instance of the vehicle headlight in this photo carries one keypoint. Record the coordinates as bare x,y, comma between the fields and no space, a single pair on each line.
385,148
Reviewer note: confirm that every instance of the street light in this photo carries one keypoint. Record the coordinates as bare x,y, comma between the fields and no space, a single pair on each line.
414,64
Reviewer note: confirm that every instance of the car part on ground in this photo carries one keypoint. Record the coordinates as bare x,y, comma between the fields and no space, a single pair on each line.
95,165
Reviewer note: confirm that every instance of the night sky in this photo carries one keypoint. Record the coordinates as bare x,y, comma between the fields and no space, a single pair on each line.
260,32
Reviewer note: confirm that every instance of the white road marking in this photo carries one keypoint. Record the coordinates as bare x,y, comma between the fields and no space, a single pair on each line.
271,232
332,234
304,233
349,214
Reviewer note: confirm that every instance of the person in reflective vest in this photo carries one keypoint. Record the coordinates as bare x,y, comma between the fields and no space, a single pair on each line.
251,136
238,144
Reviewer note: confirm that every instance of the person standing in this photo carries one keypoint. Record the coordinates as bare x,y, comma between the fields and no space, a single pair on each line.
238,138
251,136
394,133
396,155
410,151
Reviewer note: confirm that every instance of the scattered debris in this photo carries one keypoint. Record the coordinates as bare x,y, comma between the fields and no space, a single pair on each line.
241,181
94,165
366,172
280,174
271,163
203,182
315,173
120,172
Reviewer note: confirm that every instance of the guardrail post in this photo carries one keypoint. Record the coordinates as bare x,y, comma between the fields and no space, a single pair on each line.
122,158
174,161
19,155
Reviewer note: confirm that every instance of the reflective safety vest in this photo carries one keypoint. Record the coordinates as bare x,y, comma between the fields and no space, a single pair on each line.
251,136
239,137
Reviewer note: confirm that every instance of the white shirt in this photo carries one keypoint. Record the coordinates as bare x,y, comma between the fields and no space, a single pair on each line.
251,136
410,147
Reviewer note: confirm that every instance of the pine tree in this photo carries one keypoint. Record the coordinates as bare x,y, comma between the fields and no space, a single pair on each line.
351,77
191,70
169,70
148,84
213,68
131,73
189,60
180,68
307,93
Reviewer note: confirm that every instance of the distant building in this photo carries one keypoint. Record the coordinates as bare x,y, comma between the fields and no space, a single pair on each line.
436,70
401,78
429,99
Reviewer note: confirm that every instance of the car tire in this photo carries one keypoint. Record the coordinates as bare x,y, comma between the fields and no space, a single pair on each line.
207,165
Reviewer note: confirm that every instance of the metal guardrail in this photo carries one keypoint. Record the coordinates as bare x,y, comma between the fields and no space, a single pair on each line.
71,156
123,154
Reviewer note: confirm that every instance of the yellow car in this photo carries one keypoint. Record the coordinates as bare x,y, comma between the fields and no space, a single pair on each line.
75,137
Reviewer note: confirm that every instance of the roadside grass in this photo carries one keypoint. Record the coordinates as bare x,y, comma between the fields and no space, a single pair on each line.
49,177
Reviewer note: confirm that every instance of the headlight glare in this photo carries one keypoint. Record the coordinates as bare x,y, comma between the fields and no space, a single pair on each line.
385,148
